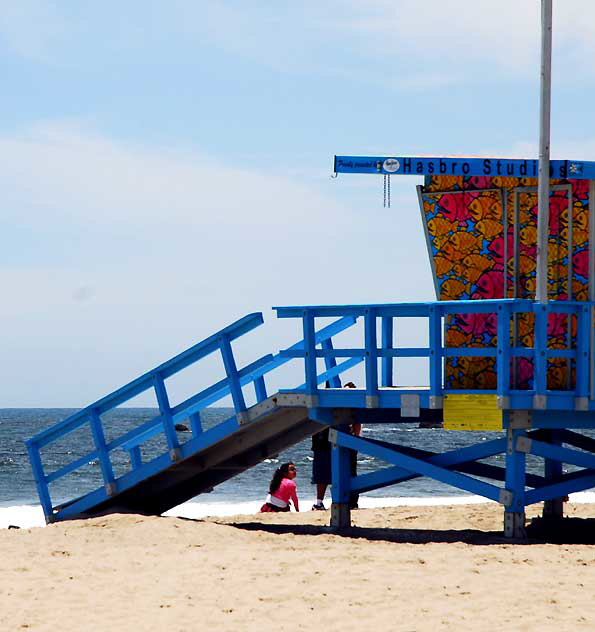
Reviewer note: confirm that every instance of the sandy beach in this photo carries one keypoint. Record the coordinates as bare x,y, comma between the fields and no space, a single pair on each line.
401,568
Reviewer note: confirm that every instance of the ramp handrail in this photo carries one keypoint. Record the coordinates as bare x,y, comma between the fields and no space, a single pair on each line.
168,415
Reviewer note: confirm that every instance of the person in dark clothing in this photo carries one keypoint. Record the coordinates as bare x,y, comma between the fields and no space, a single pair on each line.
321,466
321,463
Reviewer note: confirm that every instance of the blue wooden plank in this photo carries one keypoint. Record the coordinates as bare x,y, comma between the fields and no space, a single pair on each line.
371,341
196,423
99,438
583,344
559,490
324,353
166,413
565,455
235,385
386,343
309,351
515,472
40,479
341,474
404,352
470,352
503,356
72,466
540,346
330,373
260,389
136,459
394,475
436,350
137,435
330,363
418,466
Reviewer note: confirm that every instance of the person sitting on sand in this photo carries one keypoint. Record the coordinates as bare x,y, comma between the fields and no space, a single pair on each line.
282,490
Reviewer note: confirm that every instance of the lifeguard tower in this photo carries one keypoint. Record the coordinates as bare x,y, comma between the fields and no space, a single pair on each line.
510,348
496,360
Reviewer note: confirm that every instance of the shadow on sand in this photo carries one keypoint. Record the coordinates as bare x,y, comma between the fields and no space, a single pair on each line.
540,531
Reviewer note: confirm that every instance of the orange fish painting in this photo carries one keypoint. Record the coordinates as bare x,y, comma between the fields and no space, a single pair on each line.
438,226
489,228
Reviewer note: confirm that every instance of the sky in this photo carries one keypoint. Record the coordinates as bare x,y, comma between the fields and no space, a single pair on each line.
165,166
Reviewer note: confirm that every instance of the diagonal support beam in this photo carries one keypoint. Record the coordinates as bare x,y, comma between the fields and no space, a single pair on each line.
421,467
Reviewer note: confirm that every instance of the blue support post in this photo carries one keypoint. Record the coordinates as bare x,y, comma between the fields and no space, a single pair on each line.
371,357
260,389
104,457
553,472
40,480
514,510
387,343
233,378
166,418
196,424
341,484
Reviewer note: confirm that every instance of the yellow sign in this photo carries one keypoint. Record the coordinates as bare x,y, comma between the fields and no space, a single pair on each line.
472,412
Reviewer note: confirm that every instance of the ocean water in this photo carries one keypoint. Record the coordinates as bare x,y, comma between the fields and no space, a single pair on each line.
242,494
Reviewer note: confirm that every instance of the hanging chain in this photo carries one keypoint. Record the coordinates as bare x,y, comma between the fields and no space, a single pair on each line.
386,190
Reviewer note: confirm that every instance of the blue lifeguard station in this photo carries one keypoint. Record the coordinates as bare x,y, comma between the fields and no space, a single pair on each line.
496,359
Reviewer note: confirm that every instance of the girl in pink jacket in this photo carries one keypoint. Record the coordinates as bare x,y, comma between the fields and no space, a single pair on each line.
282,490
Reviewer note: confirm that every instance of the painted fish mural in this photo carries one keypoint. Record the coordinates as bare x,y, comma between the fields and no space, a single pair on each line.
482,233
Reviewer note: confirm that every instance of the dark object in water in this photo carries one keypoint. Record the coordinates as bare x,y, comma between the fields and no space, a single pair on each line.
182,427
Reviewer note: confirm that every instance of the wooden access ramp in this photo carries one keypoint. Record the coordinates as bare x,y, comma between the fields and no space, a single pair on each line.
154,467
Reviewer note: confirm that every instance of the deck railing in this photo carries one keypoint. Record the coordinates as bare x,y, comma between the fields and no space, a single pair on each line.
384,319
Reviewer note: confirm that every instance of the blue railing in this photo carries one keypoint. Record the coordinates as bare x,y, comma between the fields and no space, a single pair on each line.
382,318
165,422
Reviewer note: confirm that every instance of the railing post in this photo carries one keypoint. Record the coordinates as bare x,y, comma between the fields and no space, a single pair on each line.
311,372
40,480
583,346
136,459
331,363
436,352
231,371
196,423
260,389
503,357
540,356
104,458
371,340
166,418
387,343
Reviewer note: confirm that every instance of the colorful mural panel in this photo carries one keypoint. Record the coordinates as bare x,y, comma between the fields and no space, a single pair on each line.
482,233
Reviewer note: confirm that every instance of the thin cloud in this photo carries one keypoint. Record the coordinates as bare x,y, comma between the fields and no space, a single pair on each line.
81,176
